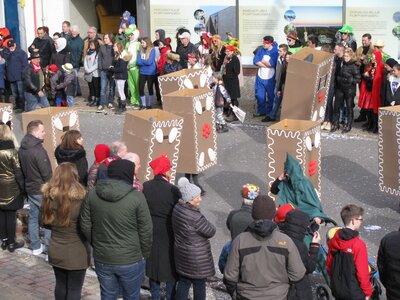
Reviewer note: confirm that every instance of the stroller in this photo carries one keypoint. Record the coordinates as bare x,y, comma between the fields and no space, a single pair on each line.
321,279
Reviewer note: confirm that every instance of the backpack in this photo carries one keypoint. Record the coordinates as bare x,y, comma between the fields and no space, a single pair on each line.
344,283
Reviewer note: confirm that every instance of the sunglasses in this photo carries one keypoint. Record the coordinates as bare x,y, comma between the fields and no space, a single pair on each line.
289,40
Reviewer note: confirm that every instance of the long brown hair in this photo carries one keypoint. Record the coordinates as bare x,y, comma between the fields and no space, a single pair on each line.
119,52
70,140
149,46
59,192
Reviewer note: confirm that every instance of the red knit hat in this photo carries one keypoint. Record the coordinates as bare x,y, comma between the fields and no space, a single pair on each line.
53,68
280,216
230,48
160,165
101,152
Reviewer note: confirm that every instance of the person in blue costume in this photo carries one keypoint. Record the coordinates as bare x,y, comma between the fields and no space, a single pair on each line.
265,58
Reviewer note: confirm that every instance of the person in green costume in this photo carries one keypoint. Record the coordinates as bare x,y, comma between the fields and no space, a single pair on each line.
133,47
294,43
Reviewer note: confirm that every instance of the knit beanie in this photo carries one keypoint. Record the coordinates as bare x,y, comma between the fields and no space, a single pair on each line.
121,169
160,165
282,211
188,190
101,152
263,208
250,191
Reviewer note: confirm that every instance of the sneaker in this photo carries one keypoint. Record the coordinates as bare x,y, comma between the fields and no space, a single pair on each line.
328,126
39,251
323,125
110,106
100,108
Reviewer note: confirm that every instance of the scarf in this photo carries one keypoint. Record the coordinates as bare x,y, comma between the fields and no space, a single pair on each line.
36,68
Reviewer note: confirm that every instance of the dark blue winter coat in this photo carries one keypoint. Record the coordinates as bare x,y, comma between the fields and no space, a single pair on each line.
16,62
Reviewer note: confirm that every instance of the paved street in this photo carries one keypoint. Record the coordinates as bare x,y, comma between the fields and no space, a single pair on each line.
349,175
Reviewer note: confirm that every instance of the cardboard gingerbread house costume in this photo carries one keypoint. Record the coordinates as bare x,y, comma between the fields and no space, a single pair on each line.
183,79
302,140
199,137
307,85
56,121
389,149
6,115
150,133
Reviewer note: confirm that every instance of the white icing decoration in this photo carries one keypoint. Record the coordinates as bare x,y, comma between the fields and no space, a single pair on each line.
211,154
201,159
198,107
172,135
209,102
308,143
58,124
159,135
315,116
5,117
317,140
322,112
203,80
188,83
73,118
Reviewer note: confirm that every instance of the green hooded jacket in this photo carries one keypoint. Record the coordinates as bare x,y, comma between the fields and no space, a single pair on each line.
299,191
116,220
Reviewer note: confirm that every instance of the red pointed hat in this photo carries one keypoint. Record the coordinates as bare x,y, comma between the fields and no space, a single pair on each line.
160,165
282,212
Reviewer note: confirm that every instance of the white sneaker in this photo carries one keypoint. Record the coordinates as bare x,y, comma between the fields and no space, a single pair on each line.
328,126
323,125
38,251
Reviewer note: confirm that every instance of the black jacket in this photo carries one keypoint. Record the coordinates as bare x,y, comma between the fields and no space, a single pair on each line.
387,95
75,156
183,53
161,197
239,219
389,264
120,69
295,226
45,47
35,164
61,58
32,80
16,62
348,77
231,77
193,257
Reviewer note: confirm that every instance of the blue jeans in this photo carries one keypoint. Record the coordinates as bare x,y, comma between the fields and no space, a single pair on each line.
155,290
17,89
128,277
106,80
70,101
199,288
33,100
275,107
35,201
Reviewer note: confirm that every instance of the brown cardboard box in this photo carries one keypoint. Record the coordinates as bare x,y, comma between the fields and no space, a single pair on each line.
150,133
6,113
199,138
183,79
389,149
56,121
302,140
307,85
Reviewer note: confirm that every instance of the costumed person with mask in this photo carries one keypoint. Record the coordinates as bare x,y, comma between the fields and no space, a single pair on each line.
133,47
265,58
161,197
62,54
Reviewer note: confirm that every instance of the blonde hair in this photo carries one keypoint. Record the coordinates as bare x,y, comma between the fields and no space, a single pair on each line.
6,134
350,52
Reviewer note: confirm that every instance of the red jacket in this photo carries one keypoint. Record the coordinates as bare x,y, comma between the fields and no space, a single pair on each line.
351,244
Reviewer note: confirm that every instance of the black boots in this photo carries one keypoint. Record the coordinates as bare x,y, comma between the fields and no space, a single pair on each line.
362,117
121,108
349,121
16,245
92,102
